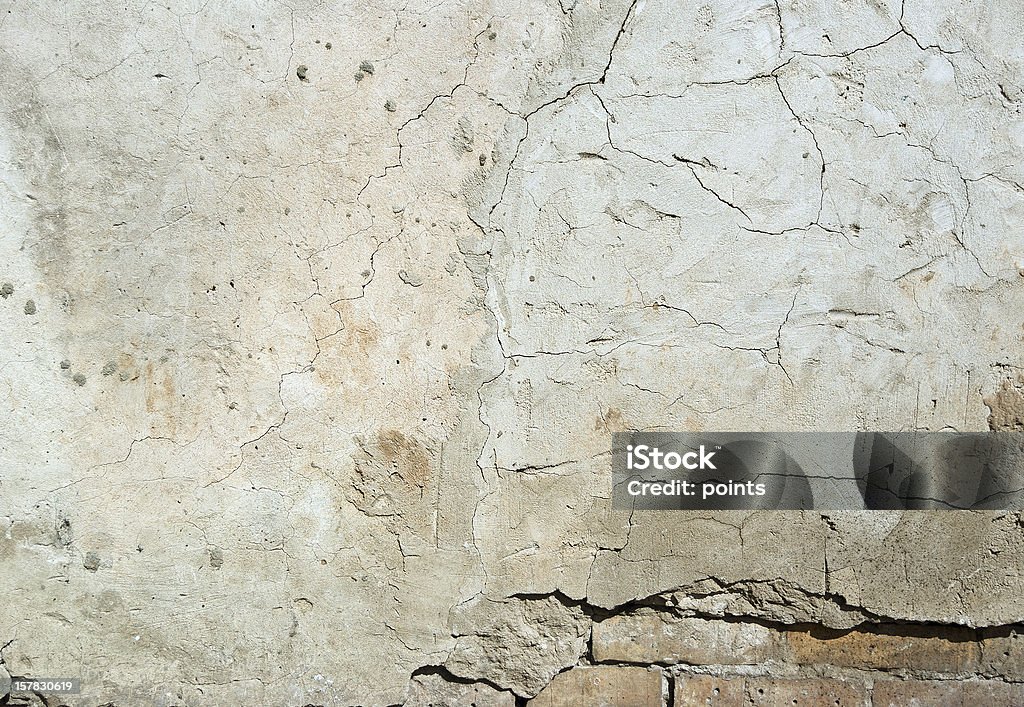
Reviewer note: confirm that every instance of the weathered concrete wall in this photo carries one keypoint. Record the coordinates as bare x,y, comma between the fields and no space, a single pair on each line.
318,317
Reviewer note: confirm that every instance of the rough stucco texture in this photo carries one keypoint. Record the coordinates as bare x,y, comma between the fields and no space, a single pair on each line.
318,317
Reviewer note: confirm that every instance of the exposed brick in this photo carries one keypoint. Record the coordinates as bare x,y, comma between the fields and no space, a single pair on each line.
859,649
602,686
1004,656
946,693
813,692
992,693
650,638
708,690
696,690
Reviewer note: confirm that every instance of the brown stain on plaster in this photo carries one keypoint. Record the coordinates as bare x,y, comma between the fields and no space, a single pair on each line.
611,420
1006,406
160,392
406,455
392,473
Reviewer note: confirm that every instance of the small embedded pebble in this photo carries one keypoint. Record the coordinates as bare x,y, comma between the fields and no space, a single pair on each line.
359,76
91,561
6,290
109,369
390,106
301,72
30,307
65,364
78,378
366,67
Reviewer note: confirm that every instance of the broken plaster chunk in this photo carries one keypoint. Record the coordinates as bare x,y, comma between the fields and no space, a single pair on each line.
651,637
518,645
434,689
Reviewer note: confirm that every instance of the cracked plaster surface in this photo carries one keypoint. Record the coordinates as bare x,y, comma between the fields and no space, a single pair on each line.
351,297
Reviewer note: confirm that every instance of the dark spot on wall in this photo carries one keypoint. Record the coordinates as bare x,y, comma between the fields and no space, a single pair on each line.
63,532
